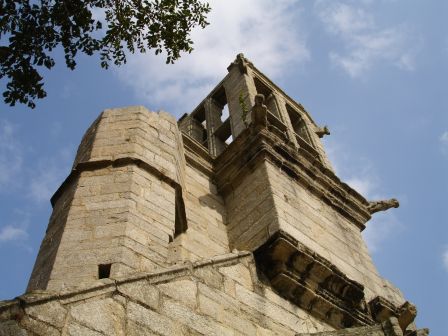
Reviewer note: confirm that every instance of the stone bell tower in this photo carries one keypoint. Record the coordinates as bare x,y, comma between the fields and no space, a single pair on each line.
230,221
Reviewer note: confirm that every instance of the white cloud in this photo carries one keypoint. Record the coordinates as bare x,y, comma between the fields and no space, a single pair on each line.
266,31
445,258
444,142
362,184
11,233
11,156
50,173
365,44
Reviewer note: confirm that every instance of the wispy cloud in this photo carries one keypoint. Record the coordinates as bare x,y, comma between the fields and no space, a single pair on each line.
365,44
266,31
11,155
363,184
445,258
49,174
382,226
444,142
16,231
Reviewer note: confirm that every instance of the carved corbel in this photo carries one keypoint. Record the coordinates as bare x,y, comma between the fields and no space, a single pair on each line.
259,113
406,315
391,327
322,131
384,205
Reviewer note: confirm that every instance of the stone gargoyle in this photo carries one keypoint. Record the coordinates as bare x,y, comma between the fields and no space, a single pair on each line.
383,205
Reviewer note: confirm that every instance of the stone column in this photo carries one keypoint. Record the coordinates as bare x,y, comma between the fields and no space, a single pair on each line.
213,114
239,83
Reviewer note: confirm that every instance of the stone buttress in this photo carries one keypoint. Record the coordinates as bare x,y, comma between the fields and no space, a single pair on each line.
230,221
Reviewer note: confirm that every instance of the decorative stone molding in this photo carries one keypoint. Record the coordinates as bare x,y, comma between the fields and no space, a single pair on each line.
312,282
382,309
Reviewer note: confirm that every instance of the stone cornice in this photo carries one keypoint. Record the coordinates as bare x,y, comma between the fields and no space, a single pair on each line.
250,149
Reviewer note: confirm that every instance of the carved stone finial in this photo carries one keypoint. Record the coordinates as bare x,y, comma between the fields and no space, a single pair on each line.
241,62
321,131
384,205
259,112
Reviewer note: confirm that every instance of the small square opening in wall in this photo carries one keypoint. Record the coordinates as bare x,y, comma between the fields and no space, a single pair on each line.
104,271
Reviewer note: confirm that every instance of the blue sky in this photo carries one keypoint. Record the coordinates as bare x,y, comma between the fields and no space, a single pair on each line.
374,71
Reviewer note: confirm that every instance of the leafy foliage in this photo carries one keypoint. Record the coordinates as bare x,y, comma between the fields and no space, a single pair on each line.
35,28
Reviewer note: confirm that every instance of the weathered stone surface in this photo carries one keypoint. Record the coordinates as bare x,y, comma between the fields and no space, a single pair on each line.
104,315
141,291
75,329
184,291
11,328
36,327
151,320
52,312
238,273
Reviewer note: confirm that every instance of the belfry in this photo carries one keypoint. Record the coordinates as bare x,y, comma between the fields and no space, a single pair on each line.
228,221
